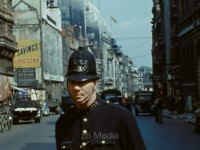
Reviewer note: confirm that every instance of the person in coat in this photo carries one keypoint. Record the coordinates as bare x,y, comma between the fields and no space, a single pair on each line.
93,124
158,110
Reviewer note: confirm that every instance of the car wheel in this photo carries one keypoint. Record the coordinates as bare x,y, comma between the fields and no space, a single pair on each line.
15,120
37,120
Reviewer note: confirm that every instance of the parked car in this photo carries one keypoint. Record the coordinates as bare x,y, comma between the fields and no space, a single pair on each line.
143,102
54,106
45,111
26,109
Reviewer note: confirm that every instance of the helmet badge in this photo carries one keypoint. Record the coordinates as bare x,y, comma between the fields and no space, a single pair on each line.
80,65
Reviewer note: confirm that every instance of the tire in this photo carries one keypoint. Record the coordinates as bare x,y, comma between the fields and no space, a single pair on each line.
37,120
15,120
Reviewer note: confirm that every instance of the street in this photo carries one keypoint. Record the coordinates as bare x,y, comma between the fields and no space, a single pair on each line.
30,136
173,134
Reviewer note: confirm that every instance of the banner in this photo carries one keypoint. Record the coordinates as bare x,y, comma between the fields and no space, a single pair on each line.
28,55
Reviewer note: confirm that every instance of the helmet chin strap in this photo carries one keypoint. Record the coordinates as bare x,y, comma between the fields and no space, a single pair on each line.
89,95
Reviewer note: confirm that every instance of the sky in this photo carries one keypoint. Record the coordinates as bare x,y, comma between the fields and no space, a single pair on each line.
133,27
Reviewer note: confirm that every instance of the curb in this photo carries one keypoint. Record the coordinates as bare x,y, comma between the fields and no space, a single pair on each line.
189,119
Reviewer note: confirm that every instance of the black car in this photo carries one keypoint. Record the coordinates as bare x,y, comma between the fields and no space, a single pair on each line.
114,96
54,106
143,102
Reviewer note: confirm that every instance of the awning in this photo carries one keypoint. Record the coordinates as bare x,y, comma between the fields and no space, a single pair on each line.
12,82
20,89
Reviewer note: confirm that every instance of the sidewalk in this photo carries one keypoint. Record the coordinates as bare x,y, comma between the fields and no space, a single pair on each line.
189,117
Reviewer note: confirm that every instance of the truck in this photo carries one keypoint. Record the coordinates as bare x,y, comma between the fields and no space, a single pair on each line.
27,105
5,104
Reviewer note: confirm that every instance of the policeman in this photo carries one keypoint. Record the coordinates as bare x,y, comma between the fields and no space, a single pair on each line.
93,124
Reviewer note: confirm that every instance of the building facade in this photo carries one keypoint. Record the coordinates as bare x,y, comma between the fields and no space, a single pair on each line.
7,42
176,29
38,62
114,68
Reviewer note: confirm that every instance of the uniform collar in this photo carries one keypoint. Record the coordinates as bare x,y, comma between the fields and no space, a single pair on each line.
94,105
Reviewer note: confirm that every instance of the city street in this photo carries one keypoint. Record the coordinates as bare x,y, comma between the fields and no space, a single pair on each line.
173,134
53,51
30,136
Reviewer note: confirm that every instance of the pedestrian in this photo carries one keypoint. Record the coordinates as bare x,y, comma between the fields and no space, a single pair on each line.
93,124
180,104
158,110
172,104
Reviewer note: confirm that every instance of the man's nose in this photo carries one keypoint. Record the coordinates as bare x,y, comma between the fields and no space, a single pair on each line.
77,87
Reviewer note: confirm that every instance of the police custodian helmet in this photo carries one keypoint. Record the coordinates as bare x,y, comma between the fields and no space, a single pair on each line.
82,65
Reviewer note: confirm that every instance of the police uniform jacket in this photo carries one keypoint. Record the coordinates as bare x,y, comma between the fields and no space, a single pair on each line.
103,126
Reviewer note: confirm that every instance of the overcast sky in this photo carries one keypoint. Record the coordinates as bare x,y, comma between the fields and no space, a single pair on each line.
133,28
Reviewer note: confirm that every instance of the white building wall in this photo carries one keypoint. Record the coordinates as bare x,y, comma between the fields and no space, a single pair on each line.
46,27
52,54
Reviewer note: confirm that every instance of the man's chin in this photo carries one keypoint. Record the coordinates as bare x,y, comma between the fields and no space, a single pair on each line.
80,101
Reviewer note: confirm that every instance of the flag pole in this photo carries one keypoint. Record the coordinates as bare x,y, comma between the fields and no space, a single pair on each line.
111,27
112,19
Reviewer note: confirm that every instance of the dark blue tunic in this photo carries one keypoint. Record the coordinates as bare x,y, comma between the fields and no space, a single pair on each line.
103,126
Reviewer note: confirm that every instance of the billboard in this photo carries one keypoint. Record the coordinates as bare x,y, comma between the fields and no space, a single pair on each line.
26,77
28,55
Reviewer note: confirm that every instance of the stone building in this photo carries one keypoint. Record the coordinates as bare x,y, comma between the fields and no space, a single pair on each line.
176,47
38,62
7,41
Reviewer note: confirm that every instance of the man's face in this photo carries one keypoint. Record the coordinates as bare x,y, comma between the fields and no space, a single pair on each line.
81,92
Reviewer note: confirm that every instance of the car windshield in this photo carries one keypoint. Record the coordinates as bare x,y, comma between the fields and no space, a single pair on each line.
26,103
144,97
113,97
109,96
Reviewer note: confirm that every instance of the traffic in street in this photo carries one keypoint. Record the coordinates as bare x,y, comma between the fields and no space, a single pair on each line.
173,134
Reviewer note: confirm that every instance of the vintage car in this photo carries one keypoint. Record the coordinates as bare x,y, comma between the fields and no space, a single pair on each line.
26,109
54,106
115,96
143,102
